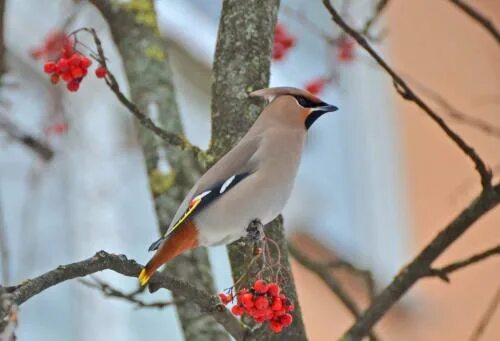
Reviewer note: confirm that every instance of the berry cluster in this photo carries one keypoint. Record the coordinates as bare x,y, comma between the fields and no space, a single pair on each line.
64,62
263,302
316,85
72,70
345,49
282,42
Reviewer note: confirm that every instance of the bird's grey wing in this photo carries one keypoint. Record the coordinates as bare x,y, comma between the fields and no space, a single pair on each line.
220,178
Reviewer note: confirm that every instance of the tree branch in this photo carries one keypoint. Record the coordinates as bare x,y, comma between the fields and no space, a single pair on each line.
408,94
14,132
322,270
478,18
458,115
168,137
419,267
120,264
444,271
109,291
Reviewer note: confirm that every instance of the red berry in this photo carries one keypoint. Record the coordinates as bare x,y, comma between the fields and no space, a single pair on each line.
346,50
63,65
258,313
276,326
77,72
247,300
101,72
67,76
260,286
85,62
277,304
54,79
279,30
288,41
237,310
49,67
223,298
259,319
278,51
280,312
67,51
273,289
268,313
316,86
261,303
74,60
73,85
286,320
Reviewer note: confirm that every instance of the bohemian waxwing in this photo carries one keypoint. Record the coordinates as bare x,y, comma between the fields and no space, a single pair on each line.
252,182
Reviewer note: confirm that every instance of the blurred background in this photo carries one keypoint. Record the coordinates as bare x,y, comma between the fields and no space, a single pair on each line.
378,179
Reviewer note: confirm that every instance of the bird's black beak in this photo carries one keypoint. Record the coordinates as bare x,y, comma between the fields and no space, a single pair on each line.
327,108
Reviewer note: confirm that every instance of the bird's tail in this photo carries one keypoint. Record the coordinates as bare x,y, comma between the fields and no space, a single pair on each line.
160,257
144,276
183,239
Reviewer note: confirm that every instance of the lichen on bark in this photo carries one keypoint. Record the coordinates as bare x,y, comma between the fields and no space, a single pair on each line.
148,72
241,65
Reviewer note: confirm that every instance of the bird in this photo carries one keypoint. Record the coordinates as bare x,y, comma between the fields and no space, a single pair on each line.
250,184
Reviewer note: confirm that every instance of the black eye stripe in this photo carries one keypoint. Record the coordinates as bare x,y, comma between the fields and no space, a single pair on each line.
306,103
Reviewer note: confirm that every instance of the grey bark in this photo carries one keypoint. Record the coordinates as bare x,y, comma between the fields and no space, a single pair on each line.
8,316
149,75
242,64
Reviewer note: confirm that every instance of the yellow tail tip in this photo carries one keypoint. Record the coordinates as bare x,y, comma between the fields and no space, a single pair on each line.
143,277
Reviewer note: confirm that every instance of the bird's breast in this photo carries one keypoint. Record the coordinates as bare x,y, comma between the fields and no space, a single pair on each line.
262,195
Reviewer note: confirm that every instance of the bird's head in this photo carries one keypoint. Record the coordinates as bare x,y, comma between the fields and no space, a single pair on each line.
294,105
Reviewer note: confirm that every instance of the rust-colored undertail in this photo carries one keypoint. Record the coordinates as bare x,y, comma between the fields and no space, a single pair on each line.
182,239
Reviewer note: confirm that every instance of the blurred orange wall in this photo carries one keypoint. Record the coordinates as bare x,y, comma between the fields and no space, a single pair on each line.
437,45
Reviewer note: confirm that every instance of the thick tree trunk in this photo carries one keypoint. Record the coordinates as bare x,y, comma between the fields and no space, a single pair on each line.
242,64
145,59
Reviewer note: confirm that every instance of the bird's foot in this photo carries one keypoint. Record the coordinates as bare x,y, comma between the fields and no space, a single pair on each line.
255,231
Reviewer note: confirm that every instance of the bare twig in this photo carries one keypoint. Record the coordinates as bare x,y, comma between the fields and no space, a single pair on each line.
456,114
486,318
14,132
120,264
109,291
444,271
172,139
408,94
419,267
379,9
322,270
478,17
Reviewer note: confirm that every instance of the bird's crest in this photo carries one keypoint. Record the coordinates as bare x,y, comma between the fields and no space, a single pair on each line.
271,93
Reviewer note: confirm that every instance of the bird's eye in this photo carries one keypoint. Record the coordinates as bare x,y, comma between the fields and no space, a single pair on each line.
303,101
306,103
